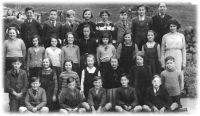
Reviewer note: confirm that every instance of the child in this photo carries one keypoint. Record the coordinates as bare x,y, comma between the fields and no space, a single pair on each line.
35,98
157,98
105,26
52,28
48,81
88,75
71,52
87,16
104,52
16,85
70,98
30,27
126,97
97,97
55,54
140,77
35,57
68,65
140,25
126,52
122,26
172,81
152,51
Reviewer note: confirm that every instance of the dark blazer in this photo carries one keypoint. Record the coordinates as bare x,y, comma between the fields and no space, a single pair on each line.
126,96
98,99
159,99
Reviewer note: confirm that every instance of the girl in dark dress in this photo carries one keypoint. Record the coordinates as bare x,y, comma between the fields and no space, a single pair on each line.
152,52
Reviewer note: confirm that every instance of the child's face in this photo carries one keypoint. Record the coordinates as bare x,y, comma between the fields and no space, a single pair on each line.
72,85
139,60
71,18
123,16
170,64
53,42
114,63
105,40
90,61
124,81
12,34
35,85
98,84
141,11
46,63
86,32
53,15
127,38
29,14
35,42
173,28
156,82
68,66
16,65
87,15
70,39
150,36
104,17
162,8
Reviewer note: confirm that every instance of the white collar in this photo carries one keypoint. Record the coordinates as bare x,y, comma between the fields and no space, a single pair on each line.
141,18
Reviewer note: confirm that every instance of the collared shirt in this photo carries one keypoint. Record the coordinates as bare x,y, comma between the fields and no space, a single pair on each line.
141,18
162,16
53,23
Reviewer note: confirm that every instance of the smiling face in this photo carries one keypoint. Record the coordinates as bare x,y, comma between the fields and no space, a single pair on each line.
16,65
54,42
87,15
29,14
105,41
123,16
98,84
12,34
35,42
35,85
139,61
70,39
90,61
127,38
68,66
72,85
53,15
141,11
162,8
46,63
150,36
170,64
104,17
71,18
173,28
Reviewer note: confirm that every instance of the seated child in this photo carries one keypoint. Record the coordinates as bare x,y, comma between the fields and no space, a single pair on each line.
157,98
97,97
35,99
126,98
70,98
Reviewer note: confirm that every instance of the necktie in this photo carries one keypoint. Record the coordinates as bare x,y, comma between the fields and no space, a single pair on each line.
53,23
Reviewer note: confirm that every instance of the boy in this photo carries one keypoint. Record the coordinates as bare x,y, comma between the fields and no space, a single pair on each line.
97,97
122,26
157,98
126,99
35,98
16,85
172,81
51,28
30,27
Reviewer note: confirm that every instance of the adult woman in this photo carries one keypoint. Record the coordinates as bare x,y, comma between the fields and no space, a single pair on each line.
173,44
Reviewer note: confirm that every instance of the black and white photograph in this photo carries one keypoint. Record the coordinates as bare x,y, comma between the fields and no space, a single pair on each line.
87,57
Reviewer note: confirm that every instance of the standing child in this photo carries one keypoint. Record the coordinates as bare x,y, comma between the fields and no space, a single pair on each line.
172,80
126,97
70,98
16,85
35,98
35,57
126,52
88,75
48,81
104,52
55,54
97,97
72,52
152,51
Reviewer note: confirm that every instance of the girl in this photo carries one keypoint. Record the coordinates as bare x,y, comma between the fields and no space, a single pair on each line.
126,52
152,51
55,54
72,52
68,65
34,57
104,52
87,16
48,81
13,47
140,77
88,75
105,26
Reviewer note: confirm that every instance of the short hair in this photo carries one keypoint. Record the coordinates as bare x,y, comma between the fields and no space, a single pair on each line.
96,78
113,57
85,10
34,79
126,33
29,8
141,54
141,5
174,22
161,3
91,56
105,35
123,10
155,34
104,11
169,58
125,75
53,9
38,37
70,80
70,62
16,59
70,12
157,76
